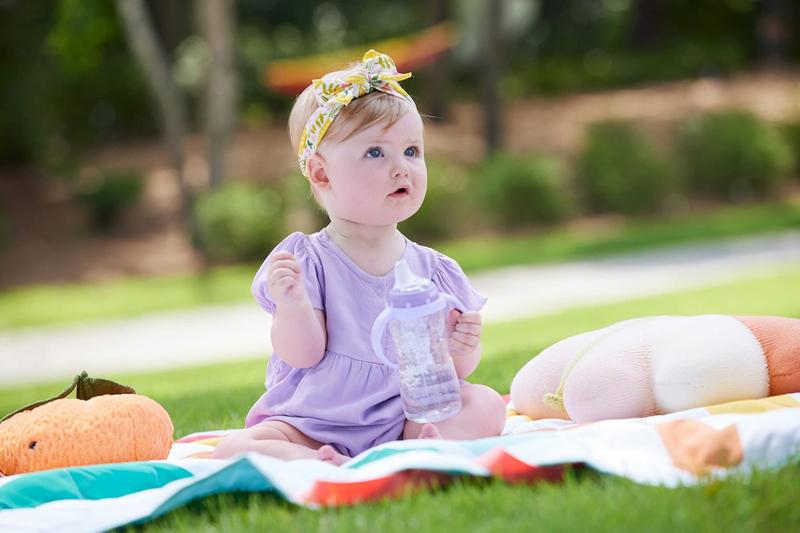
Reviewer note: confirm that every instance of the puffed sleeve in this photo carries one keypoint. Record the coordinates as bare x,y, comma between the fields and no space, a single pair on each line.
449,278
298,245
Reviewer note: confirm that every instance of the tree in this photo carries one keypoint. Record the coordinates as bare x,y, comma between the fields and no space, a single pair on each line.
647,23
773,32
216,21
493,53
436,93
151,56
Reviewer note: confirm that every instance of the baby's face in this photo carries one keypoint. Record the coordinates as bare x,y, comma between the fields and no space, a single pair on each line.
377,176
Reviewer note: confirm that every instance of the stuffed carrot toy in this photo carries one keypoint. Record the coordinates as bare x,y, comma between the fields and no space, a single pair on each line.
657,365
105,423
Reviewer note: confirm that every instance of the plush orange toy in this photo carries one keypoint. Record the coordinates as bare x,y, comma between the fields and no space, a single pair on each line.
107,423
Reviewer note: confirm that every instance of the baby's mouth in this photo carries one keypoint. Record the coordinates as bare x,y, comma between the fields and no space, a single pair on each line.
400,192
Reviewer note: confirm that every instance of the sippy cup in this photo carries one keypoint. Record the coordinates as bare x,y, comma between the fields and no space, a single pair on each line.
416,314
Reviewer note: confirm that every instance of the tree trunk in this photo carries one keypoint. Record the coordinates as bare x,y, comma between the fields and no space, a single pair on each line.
647,23
774,32
216,21
169,23
491,74
437,89
150,56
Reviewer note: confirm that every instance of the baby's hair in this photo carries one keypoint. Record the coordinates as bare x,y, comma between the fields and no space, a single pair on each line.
363,112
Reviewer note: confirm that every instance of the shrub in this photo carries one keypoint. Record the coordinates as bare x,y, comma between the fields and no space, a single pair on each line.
107,195
239,221
734,155
446,204
302,212
620,171
523,191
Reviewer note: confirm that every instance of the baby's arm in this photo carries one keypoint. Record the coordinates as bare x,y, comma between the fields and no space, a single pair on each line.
465,341
298,330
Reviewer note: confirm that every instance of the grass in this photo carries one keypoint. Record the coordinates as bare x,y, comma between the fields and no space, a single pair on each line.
48,305
632,235
54,305
765,502
219,395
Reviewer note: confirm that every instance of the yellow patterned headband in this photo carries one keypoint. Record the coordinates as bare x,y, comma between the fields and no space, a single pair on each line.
377,72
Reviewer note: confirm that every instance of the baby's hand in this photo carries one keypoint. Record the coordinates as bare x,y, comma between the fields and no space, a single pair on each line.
464,332
285,279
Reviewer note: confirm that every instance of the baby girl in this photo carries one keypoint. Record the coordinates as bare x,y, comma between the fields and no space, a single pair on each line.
359,140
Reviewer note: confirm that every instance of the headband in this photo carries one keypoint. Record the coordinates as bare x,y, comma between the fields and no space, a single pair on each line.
376,72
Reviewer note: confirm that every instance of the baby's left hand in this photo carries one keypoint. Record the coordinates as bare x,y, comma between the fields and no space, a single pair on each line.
464,330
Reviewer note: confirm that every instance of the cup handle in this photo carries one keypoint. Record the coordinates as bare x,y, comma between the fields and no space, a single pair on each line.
378,329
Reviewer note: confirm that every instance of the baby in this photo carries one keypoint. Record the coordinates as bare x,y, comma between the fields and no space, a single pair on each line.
359,141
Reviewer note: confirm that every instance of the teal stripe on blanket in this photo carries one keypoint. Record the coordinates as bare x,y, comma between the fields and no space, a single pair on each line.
383,453
240,475
87,483
474,448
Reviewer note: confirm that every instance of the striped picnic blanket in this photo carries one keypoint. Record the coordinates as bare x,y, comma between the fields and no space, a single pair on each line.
680,448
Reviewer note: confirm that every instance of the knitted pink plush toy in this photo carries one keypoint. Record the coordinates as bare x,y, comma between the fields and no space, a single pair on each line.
658,365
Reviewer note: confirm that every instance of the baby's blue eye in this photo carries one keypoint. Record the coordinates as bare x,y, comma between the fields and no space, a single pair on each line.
374,153
411,151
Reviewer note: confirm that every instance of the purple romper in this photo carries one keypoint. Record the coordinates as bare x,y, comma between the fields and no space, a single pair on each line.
349,399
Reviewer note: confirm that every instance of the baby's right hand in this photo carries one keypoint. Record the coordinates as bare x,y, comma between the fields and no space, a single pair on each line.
285,279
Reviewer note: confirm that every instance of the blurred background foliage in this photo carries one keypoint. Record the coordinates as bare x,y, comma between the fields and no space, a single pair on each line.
621,171
107,194
71,82
735,156
239,221
71,85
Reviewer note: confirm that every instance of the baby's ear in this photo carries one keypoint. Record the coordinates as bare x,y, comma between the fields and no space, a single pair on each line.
317,174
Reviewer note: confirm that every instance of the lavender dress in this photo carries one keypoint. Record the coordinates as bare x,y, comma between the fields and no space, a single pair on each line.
349,399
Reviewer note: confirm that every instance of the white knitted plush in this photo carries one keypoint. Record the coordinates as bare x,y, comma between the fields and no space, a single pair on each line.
656,365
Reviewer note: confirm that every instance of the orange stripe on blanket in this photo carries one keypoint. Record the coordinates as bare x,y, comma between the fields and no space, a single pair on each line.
510,469
332,493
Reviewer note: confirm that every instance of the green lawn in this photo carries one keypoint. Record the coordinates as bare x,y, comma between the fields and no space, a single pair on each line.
765,502
218,396
629,236
51,305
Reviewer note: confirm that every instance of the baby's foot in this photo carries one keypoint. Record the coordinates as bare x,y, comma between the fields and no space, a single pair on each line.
429,431
329,454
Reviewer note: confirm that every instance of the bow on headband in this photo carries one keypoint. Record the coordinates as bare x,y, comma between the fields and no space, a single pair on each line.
377,72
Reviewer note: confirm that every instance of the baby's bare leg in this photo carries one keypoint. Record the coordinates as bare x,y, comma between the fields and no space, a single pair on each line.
483,414
277,439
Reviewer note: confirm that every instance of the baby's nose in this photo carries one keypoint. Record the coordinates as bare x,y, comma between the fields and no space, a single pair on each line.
400,171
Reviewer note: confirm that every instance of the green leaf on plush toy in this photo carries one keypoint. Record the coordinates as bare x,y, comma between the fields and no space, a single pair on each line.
90,387
84,387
